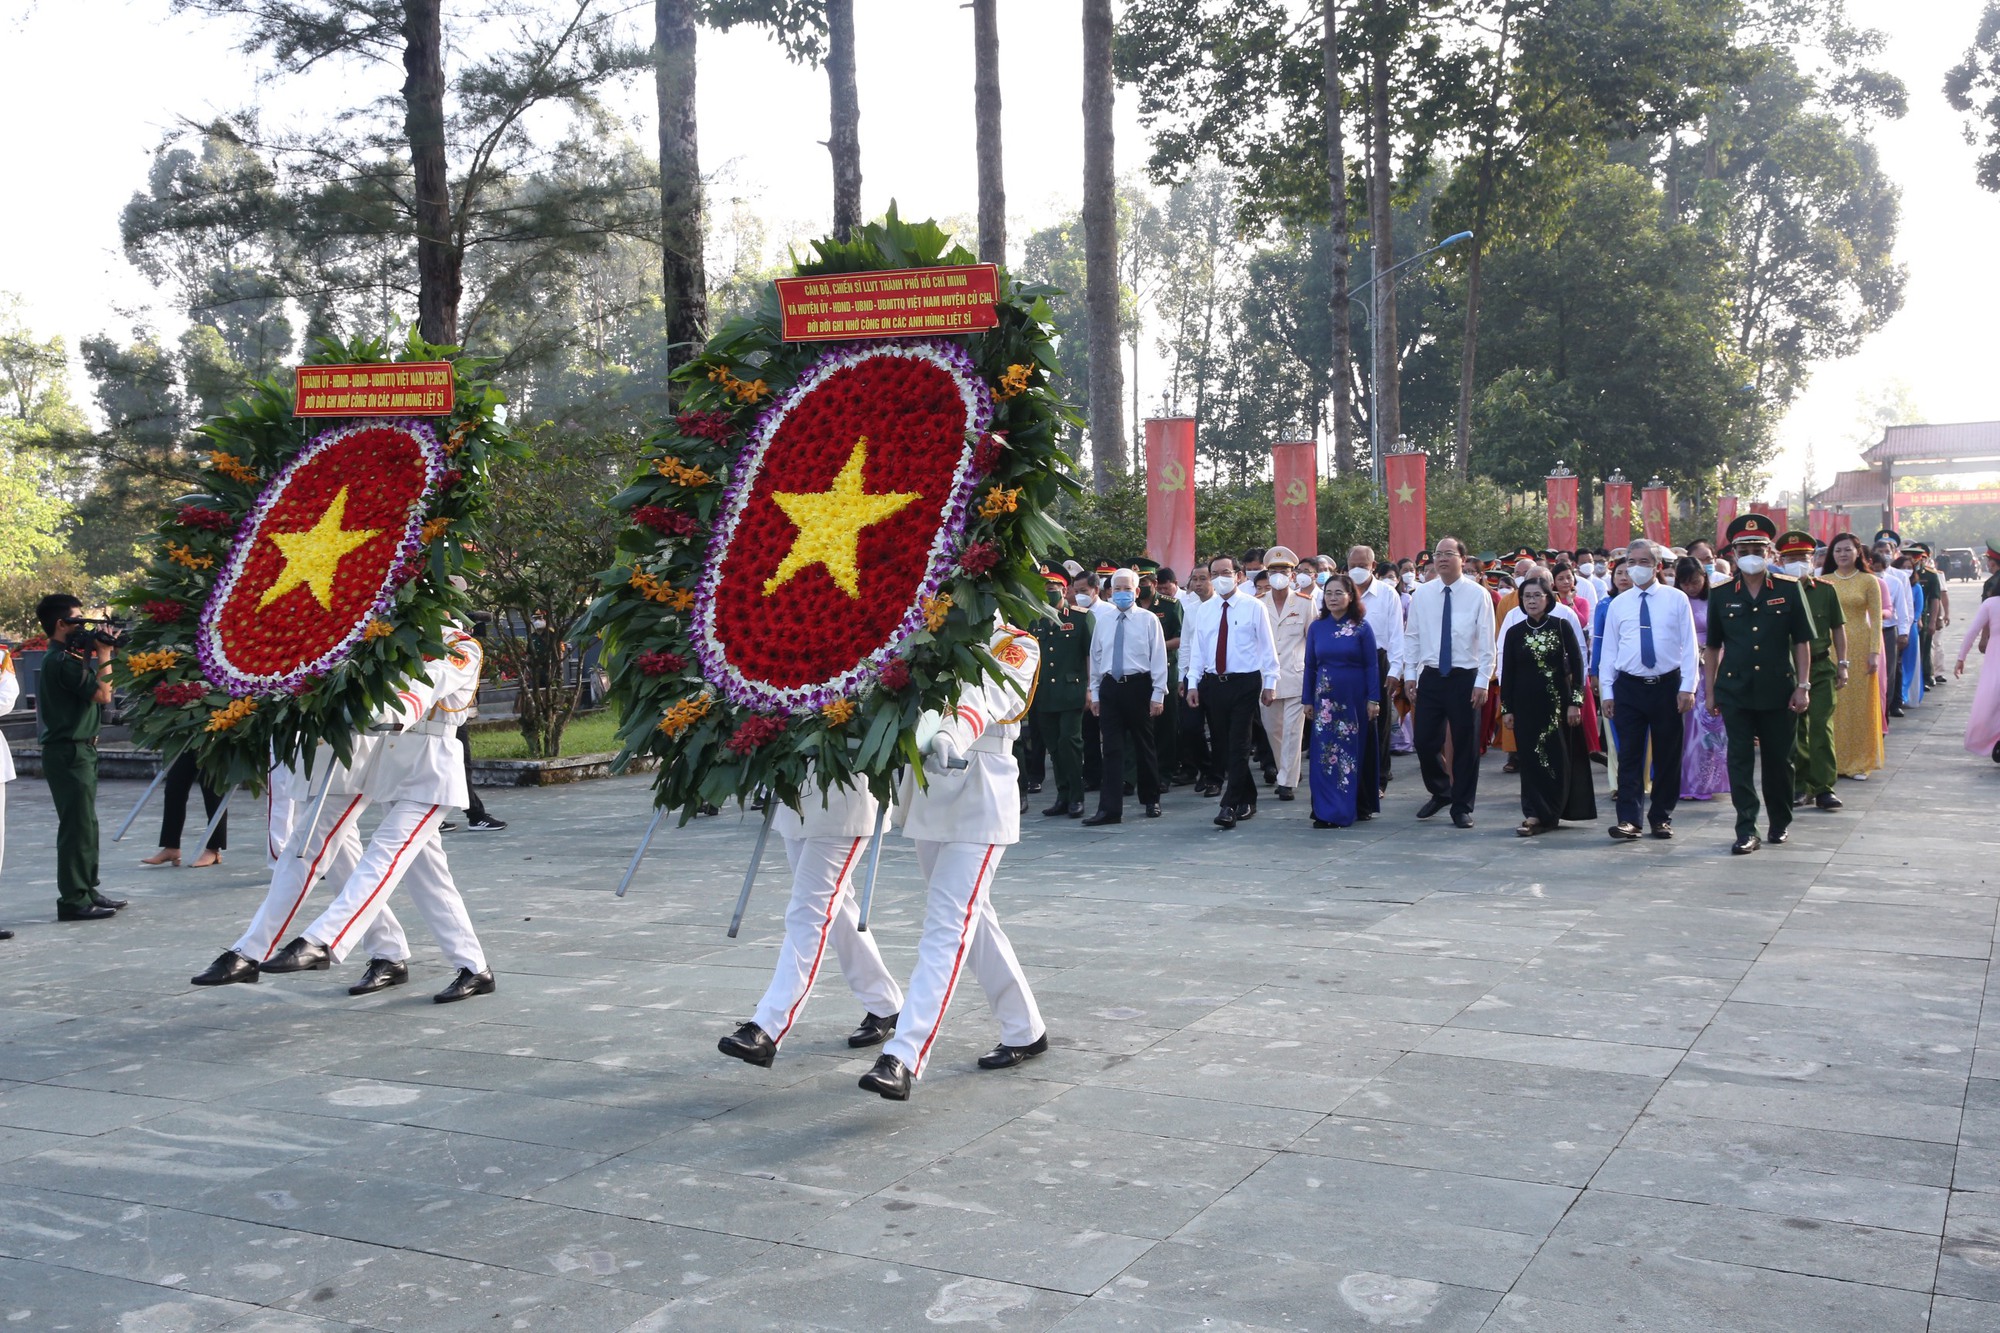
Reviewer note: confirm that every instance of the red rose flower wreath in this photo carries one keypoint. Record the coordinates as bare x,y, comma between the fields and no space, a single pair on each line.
822,537
288,604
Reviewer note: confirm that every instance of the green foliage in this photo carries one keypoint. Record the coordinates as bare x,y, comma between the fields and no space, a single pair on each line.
1973,88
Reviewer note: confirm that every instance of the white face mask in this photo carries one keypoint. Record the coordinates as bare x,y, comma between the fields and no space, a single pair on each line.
1360,576
1586,569
1223,584
1796,568
1641,575
1302,582
1751,564
1084,600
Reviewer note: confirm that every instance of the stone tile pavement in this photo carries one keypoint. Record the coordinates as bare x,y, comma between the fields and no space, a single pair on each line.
1399,1076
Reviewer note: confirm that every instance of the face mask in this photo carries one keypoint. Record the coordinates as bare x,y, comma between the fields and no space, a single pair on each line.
1586,569
1224,585
1409,581
1302,582
1360,575
1796,568
1322,577
1641,575
1083,601
1751,564
1121,599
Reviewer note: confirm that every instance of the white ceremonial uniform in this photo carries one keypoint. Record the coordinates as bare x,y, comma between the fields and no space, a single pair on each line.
333,852
827,843
1285,716
418,775
10,690
962,823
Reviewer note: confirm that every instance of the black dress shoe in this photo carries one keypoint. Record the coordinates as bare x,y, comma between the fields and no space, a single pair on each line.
301,955
1270,776
1004,1056
1897,711
115,904
1461,821
380,974
1625,832
874,1030
87,912
1101,818
1285,794
466,983
1153,810
1826,800
1226,818
1432,806
1745,845
1778,837
889,1078
1057,810
1663,831
227,970
750,1044
1247,811
1324,823
1075,810
6,934
1034,788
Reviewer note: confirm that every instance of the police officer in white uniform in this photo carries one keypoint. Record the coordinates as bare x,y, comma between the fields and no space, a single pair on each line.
1291,609
826,840
332,850
962,822
419,774
10,690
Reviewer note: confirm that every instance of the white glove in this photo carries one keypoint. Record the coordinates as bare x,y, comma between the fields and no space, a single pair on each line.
944,754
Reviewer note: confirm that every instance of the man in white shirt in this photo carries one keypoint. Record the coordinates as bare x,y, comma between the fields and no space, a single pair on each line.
1898,617
1291,610
1447,662
1648,667
1126,690
1382,606
1230,664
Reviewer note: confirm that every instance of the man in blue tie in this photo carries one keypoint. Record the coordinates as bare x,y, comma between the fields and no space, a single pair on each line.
1649,662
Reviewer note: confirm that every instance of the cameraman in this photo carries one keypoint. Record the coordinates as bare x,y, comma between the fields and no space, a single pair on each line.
69,703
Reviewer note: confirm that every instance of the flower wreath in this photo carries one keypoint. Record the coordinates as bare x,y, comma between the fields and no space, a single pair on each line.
823,536
286,605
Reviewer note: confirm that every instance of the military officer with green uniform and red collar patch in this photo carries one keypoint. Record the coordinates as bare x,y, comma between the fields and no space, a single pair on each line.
1758,666
1813,766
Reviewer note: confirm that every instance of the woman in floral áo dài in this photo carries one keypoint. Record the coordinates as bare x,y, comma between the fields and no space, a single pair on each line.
1343,695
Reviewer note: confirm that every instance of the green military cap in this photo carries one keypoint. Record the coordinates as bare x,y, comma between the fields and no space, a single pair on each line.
1993,548
1795,541
1890,535
1751,527
1145,564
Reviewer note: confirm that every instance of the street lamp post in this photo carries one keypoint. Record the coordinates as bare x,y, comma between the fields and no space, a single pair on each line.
1373,314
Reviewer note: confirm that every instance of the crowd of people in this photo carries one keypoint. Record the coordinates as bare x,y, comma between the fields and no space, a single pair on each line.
1686,673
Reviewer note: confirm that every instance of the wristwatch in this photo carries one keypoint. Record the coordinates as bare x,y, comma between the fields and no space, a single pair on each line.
1841,662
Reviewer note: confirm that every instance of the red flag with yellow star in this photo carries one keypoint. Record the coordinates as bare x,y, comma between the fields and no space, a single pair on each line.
1407,503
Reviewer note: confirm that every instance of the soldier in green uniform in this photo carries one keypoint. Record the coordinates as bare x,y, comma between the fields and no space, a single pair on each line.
1059,699
1813,769
1937,609
75,685
1991,588
1758,666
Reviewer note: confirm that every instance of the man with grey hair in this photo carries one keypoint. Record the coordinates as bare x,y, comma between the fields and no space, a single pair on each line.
1127,689
1649,659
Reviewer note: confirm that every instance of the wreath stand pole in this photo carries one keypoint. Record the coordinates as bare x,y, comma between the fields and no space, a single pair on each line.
640,855
874,860
750,875
144,797
221,809
304,844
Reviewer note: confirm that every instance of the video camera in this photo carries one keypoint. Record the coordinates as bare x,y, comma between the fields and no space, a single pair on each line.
90,635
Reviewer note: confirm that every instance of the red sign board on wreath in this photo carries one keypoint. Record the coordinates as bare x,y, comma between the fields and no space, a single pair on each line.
399,389
892,303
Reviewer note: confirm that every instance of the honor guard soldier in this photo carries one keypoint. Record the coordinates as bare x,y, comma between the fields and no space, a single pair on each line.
1937,610
1759,668
826,839
331,850
1813,767
963,820
1064,643
419,774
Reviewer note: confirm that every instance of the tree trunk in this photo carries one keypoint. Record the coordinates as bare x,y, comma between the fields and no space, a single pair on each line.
1462,445
1100,252
986,115
1481,210
844,143
438,259
1336,173
681,202
1388,411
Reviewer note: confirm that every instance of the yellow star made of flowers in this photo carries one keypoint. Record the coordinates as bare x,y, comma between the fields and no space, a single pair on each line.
313,557
830,523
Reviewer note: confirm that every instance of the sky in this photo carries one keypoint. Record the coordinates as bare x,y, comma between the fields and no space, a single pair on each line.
77,150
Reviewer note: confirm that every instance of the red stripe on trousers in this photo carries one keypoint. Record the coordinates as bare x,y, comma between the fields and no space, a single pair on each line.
832,906
964,936
387,875
312,874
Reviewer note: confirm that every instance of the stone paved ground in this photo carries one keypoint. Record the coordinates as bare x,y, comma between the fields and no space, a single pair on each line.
1404,1076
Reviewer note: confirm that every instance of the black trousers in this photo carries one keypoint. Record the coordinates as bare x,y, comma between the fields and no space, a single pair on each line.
1231,704
475,809
1125,717
181,779
1444,703
1196,754
1641,711
1384,723
1032,751
1892,662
